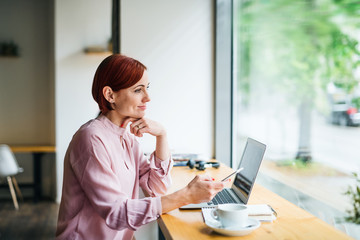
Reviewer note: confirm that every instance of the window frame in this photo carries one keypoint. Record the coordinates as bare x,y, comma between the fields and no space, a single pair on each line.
224,85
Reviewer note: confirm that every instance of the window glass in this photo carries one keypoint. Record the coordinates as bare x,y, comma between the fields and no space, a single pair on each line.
296,78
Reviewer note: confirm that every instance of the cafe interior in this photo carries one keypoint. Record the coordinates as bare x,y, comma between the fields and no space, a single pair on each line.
49,52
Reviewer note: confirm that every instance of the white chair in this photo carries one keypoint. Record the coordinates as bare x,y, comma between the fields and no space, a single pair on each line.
8,169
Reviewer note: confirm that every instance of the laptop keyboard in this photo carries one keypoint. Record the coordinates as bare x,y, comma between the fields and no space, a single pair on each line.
221,198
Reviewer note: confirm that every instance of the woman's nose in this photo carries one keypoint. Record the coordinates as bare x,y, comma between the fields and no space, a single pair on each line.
146,97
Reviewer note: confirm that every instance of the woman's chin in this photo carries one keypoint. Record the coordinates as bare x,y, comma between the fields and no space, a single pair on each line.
138,115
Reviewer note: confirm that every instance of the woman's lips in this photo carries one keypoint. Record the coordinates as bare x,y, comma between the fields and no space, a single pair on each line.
142,107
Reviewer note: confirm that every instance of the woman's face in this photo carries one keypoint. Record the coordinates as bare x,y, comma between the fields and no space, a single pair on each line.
131,102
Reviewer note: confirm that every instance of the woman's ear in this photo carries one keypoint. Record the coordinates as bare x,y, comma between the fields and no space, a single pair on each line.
108,94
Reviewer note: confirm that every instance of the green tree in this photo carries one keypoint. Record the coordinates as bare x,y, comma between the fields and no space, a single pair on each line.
304,47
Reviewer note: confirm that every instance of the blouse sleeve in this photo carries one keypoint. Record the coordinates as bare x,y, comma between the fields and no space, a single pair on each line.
103,189
155,174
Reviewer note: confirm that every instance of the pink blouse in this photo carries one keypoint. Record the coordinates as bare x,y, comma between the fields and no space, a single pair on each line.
103,171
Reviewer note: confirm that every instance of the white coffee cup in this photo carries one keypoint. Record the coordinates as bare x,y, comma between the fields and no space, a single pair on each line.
231,215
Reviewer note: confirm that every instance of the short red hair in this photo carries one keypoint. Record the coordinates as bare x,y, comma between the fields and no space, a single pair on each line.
118,72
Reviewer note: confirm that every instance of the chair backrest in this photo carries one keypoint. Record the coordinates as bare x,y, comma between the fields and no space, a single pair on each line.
8,163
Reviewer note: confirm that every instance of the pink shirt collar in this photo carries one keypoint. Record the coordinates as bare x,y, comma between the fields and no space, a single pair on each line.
109,124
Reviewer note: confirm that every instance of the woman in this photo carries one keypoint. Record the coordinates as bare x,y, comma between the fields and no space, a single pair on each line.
104,166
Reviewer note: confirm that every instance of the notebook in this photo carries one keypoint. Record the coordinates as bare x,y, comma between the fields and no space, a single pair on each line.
260,212
244,180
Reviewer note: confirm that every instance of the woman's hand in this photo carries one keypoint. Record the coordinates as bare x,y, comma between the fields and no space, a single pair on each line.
139,126
144,125
200,189
203,189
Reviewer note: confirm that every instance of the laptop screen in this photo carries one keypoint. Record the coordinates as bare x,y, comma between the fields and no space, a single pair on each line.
250,161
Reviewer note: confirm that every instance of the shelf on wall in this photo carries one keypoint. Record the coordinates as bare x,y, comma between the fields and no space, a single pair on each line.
98,53
9,49
97,50
9,56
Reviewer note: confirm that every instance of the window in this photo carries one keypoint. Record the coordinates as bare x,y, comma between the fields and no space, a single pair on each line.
295,87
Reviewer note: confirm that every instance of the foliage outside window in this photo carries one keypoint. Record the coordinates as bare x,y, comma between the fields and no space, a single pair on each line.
354,194
305,46
295,63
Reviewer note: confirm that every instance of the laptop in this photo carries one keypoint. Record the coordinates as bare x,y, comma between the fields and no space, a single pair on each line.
244,180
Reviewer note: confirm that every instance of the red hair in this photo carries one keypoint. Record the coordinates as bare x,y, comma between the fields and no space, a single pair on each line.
118,72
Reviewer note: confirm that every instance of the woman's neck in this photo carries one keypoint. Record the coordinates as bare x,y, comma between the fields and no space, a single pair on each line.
115,118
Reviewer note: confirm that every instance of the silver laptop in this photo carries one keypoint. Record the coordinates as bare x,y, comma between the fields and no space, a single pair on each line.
244,180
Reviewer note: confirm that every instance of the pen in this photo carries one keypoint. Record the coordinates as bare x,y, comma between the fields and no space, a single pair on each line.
237,171
275,213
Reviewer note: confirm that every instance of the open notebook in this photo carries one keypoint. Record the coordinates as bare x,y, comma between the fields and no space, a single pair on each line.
261,212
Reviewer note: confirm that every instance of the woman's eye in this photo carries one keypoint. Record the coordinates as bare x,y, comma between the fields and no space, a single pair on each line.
138,90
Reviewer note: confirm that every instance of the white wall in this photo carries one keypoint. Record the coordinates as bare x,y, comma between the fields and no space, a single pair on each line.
78,24
175,40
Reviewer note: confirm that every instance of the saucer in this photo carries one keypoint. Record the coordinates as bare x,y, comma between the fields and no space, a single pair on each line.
234,231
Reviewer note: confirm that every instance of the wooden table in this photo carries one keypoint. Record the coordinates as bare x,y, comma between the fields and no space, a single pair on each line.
292,222
37,153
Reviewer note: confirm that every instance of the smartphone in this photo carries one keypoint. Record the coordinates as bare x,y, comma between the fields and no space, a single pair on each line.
237,171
